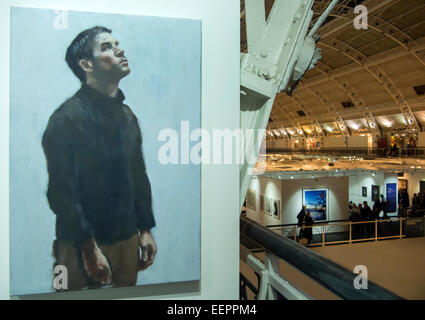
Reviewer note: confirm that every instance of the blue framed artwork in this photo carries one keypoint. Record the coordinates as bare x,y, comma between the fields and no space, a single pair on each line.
392,197
316,201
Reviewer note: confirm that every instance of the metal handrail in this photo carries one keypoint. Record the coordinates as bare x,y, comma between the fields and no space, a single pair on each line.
295,224
350,231
327,273
402,152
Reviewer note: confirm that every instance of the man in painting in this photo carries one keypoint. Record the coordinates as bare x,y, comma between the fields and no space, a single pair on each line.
98,186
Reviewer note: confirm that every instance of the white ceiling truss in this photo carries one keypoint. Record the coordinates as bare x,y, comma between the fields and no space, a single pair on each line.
376,70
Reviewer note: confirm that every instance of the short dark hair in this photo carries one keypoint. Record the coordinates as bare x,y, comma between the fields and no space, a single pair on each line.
82,48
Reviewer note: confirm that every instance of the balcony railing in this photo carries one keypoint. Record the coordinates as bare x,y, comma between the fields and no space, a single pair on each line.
344,231
401,152
273,285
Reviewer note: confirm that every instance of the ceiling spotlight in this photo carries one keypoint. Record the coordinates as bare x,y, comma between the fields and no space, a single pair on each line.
292,177
373,174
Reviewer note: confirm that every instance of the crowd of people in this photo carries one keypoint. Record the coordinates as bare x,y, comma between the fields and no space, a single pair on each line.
418,204
362,212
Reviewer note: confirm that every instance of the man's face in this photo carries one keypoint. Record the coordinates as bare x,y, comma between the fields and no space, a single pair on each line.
109,61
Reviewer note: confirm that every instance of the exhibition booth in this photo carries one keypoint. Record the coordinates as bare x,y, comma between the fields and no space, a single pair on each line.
278,201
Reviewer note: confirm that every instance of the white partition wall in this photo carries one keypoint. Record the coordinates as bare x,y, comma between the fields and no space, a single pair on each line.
335,142
220,183
358,141
365,181
290,193
268,188
380,179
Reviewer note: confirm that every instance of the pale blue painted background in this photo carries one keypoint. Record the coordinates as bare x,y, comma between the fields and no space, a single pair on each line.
162,89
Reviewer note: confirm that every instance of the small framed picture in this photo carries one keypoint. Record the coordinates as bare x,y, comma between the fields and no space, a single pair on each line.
364,191
375,193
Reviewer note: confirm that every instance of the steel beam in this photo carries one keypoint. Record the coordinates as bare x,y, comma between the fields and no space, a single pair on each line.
279,53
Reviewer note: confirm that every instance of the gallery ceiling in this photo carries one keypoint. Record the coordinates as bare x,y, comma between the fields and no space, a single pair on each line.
373,69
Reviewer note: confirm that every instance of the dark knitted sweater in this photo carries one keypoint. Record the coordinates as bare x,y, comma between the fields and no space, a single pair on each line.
98,186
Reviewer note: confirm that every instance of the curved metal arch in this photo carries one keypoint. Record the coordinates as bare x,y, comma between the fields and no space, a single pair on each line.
418,47
295,123
394,33
354,96
332,109
391,21
318,129
383,79
279,126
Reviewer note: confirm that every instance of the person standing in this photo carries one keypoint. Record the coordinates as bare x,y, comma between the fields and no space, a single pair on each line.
300,218
308,223
98,186
368,216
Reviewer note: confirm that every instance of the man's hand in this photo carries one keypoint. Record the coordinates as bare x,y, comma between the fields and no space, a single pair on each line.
95,263
148,246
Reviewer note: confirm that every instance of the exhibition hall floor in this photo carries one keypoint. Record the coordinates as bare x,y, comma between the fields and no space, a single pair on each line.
397,265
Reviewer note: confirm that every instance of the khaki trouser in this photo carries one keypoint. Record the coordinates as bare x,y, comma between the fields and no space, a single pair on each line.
123,258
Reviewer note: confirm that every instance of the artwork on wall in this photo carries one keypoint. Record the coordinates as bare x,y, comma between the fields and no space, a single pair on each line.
375,193
267,205
251,199
391,197
402,184
81,181
364,191
316,201
261,202
276,208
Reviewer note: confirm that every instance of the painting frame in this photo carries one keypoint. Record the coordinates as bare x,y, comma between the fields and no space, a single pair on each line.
391,190
251,199
262,202
267,206
276,208
38,253
316,201
375,193
364,192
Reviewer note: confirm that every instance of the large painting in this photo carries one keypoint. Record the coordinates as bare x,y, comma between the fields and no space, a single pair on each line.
97,196
391,197
276,208
267,205
261,202
316,201
251,199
